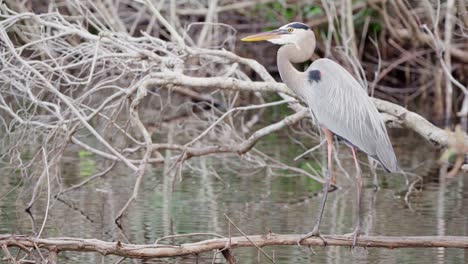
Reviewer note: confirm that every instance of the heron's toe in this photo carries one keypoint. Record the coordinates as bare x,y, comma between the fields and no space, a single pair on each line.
314,233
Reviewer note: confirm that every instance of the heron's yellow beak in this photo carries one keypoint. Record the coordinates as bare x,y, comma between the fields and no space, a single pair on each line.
263,36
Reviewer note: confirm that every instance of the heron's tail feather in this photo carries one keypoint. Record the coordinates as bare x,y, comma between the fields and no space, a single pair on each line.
386,156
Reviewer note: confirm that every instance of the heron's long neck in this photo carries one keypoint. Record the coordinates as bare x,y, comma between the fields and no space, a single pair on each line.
292,53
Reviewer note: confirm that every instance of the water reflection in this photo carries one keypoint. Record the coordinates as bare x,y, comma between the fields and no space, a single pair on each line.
258,203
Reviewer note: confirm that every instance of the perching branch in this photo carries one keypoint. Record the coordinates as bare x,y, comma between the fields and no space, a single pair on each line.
162,251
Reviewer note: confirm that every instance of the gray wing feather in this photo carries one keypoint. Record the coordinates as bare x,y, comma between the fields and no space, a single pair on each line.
339,103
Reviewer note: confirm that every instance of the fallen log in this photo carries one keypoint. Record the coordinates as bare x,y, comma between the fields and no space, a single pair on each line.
60,244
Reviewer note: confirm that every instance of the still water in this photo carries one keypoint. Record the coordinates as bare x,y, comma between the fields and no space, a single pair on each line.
256,200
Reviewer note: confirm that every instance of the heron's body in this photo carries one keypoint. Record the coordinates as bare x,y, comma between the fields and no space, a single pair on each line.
359,123
338,103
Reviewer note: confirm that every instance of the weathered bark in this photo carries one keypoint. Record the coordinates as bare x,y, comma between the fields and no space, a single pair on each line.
161,251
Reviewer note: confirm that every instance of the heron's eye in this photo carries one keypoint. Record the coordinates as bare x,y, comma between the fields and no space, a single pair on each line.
290,30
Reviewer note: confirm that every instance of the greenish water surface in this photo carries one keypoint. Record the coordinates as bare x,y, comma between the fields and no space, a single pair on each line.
256,200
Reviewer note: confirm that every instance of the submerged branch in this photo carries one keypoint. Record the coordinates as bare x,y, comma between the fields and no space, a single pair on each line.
162,251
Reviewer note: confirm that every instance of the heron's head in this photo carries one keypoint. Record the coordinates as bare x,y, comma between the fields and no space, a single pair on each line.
288,34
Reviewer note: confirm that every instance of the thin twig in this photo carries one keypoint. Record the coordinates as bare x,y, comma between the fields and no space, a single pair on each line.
246,237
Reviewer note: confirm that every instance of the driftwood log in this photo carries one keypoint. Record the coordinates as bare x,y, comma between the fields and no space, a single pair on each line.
60,244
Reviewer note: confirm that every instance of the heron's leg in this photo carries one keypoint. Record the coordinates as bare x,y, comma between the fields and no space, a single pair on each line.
358,194
326,186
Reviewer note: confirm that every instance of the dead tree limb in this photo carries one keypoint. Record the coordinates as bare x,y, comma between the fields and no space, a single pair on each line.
161,251
401,116
415,122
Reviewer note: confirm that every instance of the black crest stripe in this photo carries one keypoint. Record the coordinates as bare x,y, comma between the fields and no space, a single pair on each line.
299,25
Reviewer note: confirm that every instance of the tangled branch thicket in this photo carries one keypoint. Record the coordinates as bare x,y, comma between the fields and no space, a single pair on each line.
71,78
145,82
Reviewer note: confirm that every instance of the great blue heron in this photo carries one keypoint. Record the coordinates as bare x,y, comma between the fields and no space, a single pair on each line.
338,103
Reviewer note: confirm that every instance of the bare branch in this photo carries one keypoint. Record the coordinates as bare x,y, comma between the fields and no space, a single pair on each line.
163,251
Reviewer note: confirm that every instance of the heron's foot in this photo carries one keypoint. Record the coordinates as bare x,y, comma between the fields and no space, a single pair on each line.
354,235
314,233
